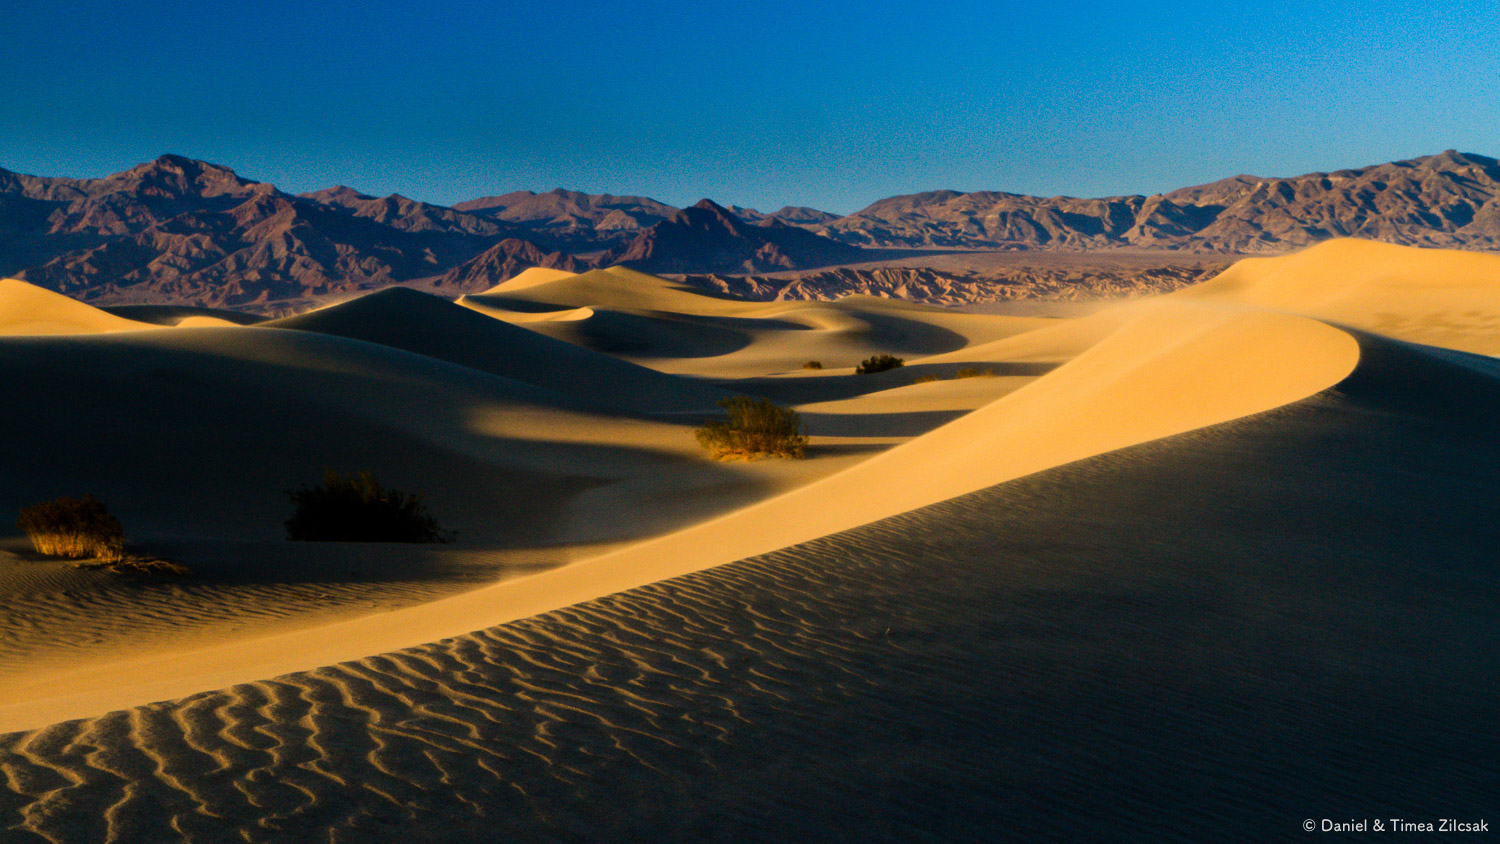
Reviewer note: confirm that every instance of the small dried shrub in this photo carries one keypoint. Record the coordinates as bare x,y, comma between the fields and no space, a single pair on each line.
813,364
878,363
145,566
755,428
357,508
974,372
926,379
73,527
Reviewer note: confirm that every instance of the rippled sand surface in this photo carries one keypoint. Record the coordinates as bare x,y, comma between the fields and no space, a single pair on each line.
1208,637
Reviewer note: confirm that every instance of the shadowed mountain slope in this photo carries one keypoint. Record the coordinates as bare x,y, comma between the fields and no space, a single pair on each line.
504,260
708,235
572,216
175,230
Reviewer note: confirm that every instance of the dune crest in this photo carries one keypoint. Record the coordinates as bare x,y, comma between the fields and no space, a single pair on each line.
26,309
530,277
1437,297
428,325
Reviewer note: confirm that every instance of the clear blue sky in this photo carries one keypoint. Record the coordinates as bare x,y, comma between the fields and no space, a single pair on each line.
758,102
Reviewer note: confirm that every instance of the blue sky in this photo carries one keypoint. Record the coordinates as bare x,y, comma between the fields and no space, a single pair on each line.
829,104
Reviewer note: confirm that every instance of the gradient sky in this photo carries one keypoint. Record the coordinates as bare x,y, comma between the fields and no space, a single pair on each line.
768,103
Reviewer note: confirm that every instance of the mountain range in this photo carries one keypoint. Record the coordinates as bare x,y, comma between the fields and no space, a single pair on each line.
180,230
1451,200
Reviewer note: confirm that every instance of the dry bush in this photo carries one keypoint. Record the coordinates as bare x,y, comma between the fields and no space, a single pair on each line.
878,363
813,364
974,372
755,428
149,566
73,527
358,509
926,379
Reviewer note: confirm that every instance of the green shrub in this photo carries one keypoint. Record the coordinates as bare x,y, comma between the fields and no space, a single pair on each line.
878,363
755,428
73,527
813,364
358,509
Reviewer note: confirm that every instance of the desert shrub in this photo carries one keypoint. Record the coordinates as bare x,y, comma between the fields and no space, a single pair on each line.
926,379
143,566
974,372
878,363
755,428
73,527
813,364
356,508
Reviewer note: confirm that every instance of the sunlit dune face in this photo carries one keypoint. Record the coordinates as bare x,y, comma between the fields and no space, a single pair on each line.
26,309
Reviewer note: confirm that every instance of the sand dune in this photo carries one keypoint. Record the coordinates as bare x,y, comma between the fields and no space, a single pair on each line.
530,277
28,309
992,662
1183,542
193,435
678,328
255,411
1438,297
183,315
417,322
1179,368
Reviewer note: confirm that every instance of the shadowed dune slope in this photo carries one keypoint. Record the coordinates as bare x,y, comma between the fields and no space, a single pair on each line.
427,325
1438,297
196,432
28,309
1180,367
1210,636
679,328
184,315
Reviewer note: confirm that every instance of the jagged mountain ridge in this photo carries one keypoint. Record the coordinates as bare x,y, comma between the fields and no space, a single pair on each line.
1450,200
175,229
584,221
709,235
502,261
796,215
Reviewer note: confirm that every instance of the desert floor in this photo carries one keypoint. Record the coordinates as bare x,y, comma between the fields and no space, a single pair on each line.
1192,567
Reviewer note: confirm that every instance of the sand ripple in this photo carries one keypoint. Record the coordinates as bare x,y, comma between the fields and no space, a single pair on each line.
1210,637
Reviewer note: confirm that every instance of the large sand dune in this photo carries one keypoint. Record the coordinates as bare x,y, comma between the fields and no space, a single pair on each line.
1439,297
1211,636
421,323
1187,567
